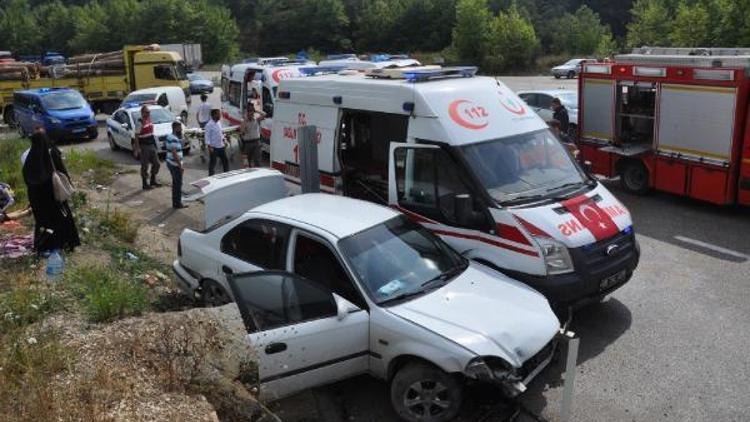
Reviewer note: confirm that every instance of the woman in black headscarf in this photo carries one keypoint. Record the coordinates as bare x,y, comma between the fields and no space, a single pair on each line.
55,227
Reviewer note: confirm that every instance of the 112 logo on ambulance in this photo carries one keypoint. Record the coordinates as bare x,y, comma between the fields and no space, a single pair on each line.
469,114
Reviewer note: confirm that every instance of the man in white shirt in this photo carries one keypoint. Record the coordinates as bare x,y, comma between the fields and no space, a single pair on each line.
203,116
214,138
250,135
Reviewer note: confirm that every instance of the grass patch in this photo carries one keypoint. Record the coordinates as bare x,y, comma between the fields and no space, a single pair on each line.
106,294
10,168
87,164
26,304
29,363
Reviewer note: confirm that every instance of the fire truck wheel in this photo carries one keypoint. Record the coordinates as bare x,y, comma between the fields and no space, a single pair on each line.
634,177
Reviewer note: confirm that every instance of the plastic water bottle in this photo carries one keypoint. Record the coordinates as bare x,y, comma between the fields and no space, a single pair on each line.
55,266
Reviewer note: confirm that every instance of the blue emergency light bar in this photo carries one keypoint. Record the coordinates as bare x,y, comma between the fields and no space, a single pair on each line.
421,75
321,70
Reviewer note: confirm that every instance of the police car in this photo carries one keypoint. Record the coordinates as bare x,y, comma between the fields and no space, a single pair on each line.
123,124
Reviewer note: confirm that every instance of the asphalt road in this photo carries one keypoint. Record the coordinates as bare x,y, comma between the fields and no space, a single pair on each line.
671,345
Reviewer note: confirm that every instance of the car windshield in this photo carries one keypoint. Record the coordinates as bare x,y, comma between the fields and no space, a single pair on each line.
569,99
195,77
140,98
69,100
400,259
572,62
158,115
523,167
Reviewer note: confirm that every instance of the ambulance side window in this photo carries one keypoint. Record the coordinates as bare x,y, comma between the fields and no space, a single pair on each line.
428,183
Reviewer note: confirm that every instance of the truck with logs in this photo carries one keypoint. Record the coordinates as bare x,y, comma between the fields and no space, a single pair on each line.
104,79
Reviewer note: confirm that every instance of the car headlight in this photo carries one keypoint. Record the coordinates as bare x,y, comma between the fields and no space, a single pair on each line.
556,256
54,120
478,369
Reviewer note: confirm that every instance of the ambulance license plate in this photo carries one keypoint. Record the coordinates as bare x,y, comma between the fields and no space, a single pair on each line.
613,280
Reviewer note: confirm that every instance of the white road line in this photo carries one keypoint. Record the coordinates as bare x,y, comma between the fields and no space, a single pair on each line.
712,247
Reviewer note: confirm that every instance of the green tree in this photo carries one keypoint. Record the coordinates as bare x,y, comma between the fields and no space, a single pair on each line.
650,23
376,23
513,43
579,33
292,25
57,27
691,26
18,25
472,30
731,19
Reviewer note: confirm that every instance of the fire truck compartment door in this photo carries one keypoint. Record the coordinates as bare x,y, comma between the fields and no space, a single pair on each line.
598,103
697,121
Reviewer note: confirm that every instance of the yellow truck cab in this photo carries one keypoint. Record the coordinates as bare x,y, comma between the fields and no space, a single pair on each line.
145,66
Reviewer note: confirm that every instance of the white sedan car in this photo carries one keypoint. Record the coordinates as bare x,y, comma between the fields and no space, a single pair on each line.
331,287
121,127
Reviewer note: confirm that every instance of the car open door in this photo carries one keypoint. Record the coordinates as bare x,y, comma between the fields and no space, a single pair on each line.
304,335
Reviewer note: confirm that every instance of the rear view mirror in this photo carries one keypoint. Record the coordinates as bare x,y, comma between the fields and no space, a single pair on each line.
464,208
343,307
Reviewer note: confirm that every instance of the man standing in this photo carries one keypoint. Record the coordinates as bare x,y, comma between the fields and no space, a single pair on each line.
204,112
250,135
561,115
145,149
215,142
174,163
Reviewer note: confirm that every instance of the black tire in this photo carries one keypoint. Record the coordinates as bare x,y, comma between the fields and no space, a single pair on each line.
571,74
424,393
634,177
557,76
112,144
212,294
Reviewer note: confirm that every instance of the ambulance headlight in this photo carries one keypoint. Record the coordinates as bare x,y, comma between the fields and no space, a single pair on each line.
556,256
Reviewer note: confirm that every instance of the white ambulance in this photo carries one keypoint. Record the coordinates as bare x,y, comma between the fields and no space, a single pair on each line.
256,83
464,156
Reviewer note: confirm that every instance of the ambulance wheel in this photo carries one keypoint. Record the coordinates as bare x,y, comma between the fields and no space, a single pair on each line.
424,393
634,177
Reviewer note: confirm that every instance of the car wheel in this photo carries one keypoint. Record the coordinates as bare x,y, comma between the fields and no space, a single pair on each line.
424,393
9,117
571,74
112,144
212,294
634,177
557,76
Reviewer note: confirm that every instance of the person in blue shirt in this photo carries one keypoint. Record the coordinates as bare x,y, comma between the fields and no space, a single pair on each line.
174,163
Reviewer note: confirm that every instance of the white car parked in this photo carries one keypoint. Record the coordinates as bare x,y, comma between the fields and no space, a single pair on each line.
122,126
331,287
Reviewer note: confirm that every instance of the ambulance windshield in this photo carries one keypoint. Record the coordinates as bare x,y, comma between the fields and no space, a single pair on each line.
520,168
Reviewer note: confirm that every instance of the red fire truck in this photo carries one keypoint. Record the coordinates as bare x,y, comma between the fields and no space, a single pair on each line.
671,119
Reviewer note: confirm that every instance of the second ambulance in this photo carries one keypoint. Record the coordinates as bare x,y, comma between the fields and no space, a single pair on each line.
464,156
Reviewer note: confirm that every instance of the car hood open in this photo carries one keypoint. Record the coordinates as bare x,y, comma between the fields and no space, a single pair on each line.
487,313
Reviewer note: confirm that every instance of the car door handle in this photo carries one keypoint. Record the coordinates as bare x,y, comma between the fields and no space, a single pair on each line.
275,348
227,270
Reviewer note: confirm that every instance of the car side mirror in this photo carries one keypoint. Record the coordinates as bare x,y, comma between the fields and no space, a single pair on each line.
343,307
587,167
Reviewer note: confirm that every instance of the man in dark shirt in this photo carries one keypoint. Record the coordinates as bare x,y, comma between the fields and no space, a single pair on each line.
561,115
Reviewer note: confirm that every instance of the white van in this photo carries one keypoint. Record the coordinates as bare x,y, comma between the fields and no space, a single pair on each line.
465,157
250,82
170,97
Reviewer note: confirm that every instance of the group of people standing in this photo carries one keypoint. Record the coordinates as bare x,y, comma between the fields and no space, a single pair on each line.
209,119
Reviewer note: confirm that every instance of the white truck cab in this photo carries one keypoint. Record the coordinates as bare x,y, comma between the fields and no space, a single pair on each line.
465,157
